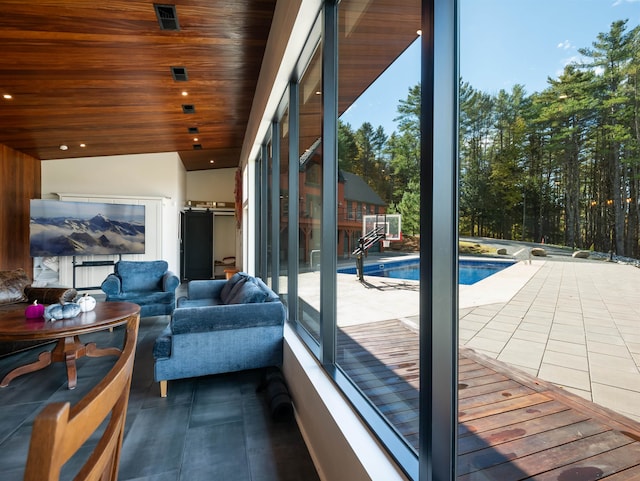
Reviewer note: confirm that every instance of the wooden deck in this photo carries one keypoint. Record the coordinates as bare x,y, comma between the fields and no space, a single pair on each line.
512,426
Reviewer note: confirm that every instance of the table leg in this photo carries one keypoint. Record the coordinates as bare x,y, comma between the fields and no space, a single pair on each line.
67,350
44,359
73,349
91,350
72,371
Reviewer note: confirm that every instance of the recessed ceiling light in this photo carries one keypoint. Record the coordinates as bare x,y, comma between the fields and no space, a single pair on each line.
83,145
419,32
64,147
212,161
185,93
7,97
195,139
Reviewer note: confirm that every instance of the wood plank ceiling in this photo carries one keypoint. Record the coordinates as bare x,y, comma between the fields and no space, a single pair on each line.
102,74
99,74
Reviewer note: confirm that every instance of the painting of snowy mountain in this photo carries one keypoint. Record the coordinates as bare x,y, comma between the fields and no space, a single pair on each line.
85,228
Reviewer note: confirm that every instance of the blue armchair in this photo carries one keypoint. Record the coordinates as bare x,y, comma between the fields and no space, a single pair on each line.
147,283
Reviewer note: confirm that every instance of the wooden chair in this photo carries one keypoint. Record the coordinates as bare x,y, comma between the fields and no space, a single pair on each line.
60,430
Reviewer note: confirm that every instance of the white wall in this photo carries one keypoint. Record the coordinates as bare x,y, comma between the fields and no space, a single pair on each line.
216,185
159,175
144,175
340,444
224,239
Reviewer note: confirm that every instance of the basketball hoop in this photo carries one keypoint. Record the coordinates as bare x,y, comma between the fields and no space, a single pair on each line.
386,243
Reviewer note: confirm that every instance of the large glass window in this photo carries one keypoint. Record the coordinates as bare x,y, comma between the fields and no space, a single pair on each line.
310,194
379,324
546,182
284,203
270,212
379,172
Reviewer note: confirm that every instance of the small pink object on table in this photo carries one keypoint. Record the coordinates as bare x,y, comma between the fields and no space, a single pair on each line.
34,311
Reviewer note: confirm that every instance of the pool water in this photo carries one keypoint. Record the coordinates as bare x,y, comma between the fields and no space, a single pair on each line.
469,271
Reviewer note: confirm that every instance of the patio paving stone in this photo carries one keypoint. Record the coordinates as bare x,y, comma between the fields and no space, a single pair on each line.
566,360
565,376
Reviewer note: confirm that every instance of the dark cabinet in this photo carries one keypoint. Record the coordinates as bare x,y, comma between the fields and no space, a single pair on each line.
196,245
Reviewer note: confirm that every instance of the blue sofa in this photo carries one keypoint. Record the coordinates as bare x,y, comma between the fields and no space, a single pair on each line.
221,326
147,283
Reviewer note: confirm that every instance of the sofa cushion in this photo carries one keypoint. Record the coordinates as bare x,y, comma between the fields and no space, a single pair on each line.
237,279
12,284
248,293
145,298
184,302
141,275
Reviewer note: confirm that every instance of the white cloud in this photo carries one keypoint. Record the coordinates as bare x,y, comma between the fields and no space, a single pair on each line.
566,45
573,59
568,60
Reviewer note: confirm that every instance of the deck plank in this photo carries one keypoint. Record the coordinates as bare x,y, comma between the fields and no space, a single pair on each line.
601,465
503,434
512,426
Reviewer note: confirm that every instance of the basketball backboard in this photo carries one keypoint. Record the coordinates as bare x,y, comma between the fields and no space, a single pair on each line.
390,223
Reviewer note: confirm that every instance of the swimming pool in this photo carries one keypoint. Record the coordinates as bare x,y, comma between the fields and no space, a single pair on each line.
470,271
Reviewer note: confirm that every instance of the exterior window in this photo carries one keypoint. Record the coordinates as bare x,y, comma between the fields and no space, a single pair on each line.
379,72
310,184
269,218
284,204
368,342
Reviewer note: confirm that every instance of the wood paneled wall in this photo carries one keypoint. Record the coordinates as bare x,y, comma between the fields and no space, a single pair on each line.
19,182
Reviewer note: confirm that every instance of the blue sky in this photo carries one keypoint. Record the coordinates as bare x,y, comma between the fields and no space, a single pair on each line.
502,42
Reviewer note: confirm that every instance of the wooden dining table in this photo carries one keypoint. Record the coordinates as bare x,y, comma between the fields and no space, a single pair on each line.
14,326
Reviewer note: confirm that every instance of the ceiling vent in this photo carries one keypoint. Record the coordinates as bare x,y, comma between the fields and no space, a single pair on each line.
167,17
193,130
179,74
197,146
189,108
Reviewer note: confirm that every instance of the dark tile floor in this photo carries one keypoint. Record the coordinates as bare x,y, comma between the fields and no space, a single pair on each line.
208,428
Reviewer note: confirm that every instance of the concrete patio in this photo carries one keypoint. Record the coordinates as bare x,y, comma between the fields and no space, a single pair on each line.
573,322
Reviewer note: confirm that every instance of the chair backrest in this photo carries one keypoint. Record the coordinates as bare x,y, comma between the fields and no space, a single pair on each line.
141,275
60,430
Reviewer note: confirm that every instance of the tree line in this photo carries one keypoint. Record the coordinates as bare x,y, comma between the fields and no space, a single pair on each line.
561,165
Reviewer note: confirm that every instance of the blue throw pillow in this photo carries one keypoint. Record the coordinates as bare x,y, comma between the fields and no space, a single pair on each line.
236,279
248,293
271,296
